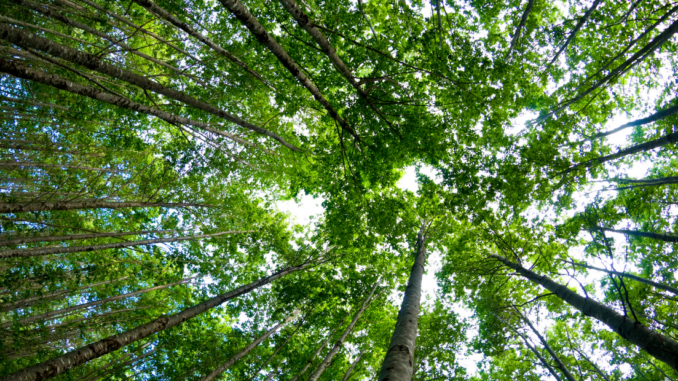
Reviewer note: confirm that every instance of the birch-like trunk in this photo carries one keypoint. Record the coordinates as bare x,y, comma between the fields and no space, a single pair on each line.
353,365
74,237
222,368
40,251
659,346
399,360
280,347
337,346
58,365
46,206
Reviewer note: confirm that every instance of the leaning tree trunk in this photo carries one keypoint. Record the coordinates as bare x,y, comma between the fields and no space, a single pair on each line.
222,368
520,27
576,29
639,122
659,346
280,347
630,276
56,366
39,251
636,233
556,358
317,352
50,314
337,346
350,369
74,237
8,207
397,365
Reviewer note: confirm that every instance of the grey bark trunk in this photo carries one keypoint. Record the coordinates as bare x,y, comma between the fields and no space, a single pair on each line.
89,204
74,237
337,346
30,41
56,366
516,35
222,368
353,365
630,276
576,29
317,352
50,314
243,14
659,346
21,71
636,233
24,164
556,358
639,122
595,367
280,347
397,365
40,251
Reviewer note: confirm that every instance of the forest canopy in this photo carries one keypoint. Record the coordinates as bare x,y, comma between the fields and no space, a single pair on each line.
148,145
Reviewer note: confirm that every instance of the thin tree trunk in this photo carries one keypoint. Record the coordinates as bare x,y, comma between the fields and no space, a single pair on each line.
397,365
595,367
639,122
317,352
74,237
556,358
531,348
659,346
630,276
516,35
281,346
362,11
24,164
30,41
337,346
91,317
643,147
646,182
21,71
350,369
243,14
124,364
47,315
89,204
636,233
40,251
31,301
161,12
222,368
576,29
56,366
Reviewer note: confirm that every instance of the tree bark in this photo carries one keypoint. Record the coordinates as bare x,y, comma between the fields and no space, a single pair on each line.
89,204
646,182
50,314
317,352
639,122
556,358
275,353
576,29
56,366
337,346
243,14
222,368
643,147
516,35
161,12
27,302
350,369
659,346
636,233
30,41
629,276
74,237
40,251
595,367
24,164
21,71
397,365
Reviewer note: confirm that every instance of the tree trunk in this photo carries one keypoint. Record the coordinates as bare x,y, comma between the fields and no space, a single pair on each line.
243,14
350,369
646,182
595,367
655,344
40,251
161,12
89,204
576,29
28,302
556,358
317,352
124,364
516,35
397,365
275,353
629,276
30,41
47,315
643,147
221,369
24,164
21,71
74,237
56,366
636,233
639,122
337,346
